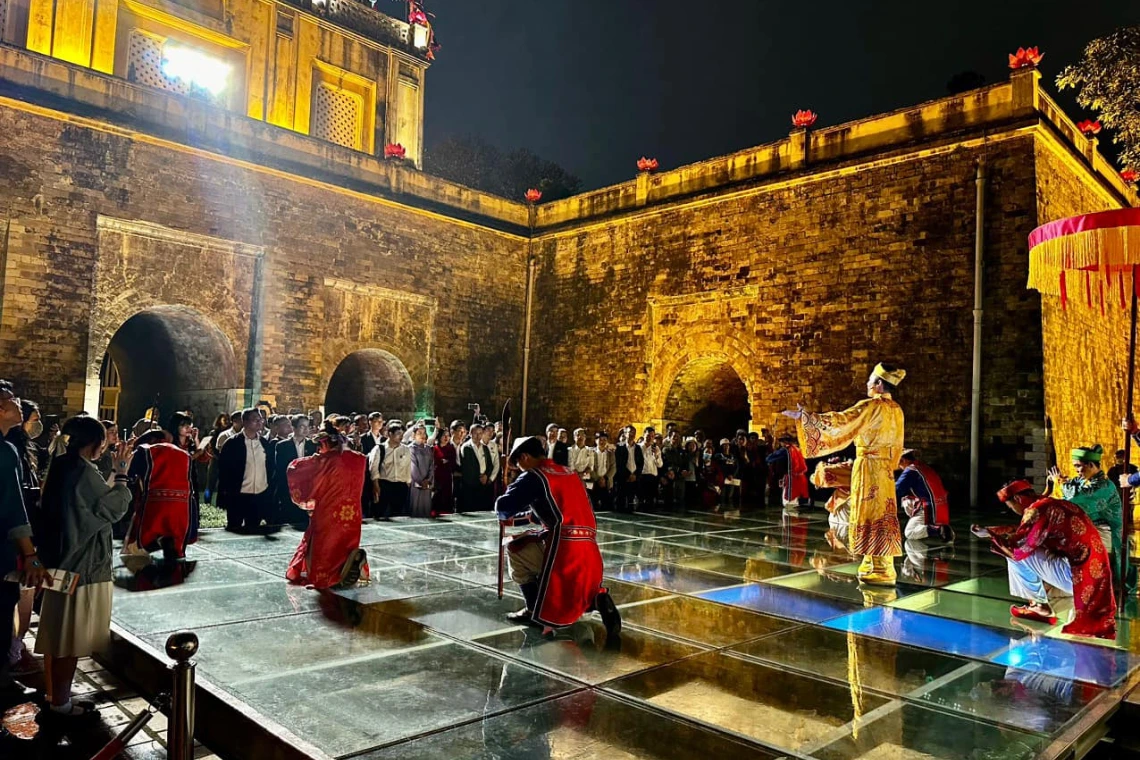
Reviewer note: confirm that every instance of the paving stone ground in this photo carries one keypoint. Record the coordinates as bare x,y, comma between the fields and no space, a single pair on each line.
118,704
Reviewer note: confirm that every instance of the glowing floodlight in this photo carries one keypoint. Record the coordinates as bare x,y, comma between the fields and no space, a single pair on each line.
195,68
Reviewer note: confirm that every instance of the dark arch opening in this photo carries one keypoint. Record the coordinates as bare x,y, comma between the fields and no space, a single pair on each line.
371,380
708,395
174,358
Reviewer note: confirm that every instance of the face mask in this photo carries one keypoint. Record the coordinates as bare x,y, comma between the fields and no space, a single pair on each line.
34,429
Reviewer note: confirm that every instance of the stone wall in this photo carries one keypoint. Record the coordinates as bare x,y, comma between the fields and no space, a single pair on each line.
296,274
800,285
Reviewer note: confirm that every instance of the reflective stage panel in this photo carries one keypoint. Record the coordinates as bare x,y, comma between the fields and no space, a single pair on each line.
743,696
847,657
587,725
744,636
910,731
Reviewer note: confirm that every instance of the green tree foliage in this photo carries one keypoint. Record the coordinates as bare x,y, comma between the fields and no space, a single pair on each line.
1107,81
476,163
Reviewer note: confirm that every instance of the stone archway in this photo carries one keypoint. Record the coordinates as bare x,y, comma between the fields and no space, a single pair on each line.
174,358
707,394
371,380
705,359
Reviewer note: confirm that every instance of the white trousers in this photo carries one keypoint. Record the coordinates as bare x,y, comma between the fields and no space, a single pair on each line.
1027,578
915,529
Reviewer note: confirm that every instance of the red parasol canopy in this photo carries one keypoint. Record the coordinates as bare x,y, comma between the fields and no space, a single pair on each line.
1107,242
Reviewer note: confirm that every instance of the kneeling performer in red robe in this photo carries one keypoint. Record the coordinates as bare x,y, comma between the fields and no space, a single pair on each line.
328,485
1055,543
165,508
558,567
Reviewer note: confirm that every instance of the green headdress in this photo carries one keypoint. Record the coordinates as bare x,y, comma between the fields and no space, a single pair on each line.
1091,454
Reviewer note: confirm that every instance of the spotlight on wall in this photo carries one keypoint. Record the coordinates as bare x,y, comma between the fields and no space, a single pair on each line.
195,68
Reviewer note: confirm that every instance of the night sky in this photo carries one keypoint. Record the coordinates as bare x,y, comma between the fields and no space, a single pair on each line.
594,85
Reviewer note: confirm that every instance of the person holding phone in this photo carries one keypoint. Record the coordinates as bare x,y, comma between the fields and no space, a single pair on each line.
79,508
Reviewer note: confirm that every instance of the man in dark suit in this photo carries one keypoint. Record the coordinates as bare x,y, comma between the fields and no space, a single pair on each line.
284,453
630,462
245,476
475,466
557,450
375,435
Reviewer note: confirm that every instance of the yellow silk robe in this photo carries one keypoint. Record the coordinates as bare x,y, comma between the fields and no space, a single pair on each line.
875,426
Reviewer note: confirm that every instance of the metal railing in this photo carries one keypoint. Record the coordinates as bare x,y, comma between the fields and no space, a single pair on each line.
180,647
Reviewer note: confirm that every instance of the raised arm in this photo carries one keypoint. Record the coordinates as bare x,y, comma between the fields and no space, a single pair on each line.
826,433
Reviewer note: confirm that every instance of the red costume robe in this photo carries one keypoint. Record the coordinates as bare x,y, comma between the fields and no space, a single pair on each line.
443,500
328,485
1063,529
165,506
571,577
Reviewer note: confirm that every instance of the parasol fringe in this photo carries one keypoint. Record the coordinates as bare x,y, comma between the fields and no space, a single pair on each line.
1105,249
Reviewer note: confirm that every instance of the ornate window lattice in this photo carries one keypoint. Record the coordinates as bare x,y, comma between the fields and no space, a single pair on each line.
144,64
336,116
3,17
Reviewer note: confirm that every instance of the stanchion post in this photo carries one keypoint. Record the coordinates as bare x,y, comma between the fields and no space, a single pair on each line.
181,647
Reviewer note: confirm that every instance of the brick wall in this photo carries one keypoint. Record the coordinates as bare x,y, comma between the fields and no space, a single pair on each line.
295,274
801,287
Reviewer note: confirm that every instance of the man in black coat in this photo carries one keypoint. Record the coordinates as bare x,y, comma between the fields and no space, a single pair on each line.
557,450
245,476
630,462
284,453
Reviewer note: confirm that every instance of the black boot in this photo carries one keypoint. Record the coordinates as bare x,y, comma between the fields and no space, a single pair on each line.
611,618
353,565
530,594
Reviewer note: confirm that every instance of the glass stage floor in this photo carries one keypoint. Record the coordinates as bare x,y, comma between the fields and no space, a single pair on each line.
744,637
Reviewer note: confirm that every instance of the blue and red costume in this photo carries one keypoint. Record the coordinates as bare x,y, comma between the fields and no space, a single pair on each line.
919,479
571,579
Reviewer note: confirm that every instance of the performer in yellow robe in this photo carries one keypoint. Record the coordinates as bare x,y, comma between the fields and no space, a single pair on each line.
875,426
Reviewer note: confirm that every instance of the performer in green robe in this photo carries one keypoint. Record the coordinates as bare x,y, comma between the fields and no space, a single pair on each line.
1098,496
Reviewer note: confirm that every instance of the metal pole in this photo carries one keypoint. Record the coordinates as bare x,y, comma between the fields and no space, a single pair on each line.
976,380
526,337
181,647
1127,492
